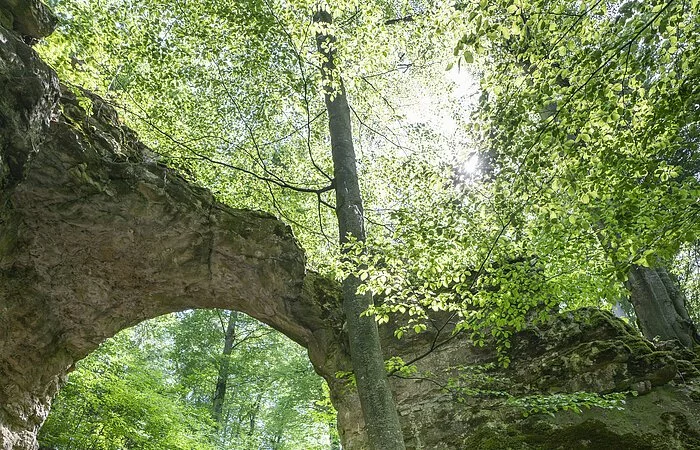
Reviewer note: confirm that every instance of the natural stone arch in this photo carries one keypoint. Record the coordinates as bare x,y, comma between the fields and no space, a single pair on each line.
96,236
96,240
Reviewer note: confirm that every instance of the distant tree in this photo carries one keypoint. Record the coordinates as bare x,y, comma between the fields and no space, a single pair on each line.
153,387
119,398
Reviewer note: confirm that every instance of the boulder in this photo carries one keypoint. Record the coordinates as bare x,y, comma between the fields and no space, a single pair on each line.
31,19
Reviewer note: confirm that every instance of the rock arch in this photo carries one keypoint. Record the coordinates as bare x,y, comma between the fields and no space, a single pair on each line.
96,236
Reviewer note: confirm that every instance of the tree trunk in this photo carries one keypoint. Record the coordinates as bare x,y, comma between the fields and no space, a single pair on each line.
222,379
254,415
659,305
378,408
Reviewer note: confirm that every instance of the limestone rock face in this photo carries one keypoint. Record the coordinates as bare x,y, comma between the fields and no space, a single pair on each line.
457,399
96,236
30,18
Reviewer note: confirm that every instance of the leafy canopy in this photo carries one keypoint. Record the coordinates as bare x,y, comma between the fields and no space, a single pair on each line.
586,128
151,387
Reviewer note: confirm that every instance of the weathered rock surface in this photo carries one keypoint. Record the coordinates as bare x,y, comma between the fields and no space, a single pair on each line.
96,236
30,18
456,400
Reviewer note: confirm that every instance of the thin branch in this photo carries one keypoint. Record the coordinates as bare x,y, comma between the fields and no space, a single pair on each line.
386,101
251,336
404,19
248,127
325,203
379,224
359,119
434,346
615,52
305,84
432,380
320,220
282,184
576,22
401,67
221,321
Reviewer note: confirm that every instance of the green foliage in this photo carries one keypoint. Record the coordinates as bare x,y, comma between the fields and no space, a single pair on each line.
346,376
396,365
230,94
549,404
587,131
686,267
274,398
479,381
151,387
117,399
590,118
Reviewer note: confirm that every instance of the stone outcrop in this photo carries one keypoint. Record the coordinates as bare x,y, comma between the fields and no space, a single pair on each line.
96,235
459,397
31,19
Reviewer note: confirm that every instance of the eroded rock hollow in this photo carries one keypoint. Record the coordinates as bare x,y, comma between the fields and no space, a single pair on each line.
96,236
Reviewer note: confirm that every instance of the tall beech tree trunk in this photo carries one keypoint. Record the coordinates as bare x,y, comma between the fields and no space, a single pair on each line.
222,378
378,408
659,305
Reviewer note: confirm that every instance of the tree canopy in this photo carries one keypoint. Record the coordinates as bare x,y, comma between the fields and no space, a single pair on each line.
152,387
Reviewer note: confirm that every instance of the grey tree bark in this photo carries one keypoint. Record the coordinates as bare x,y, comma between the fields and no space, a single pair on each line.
222,377
378,408
659,305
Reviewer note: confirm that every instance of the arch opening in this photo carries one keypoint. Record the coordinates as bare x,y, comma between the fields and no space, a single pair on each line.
196,379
